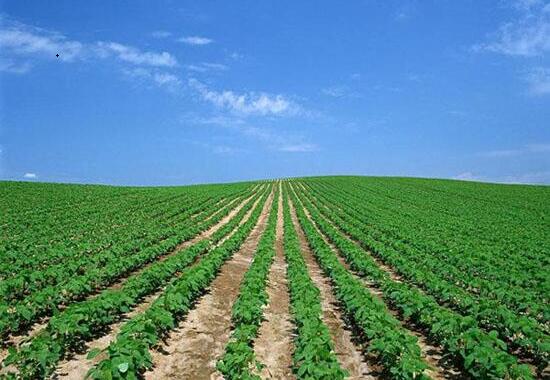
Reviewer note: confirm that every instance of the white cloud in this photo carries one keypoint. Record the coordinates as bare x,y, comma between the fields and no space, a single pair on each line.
29,175
250,103
196,40
225,150
276,141
206,66
537,148
538,80
222,121
166,79
21,45
20,39
13,67
160,78
467,176
303,147
135,56
339,92
161,34
236,56
527,36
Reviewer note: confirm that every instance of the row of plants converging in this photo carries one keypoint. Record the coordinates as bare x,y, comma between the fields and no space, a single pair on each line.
32,280
525,336
238,361
80,322
396,348
129,355
480,354
35,244
313,356
473,235
107,268
472,251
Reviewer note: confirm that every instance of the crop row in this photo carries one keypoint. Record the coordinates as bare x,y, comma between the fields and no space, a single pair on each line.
396,349
80,322
129,355
61,236
29,281
471,252
100,225
238,360
519,330
107,269
313,355
480,354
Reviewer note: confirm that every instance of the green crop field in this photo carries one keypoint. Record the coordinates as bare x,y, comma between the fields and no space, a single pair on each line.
308,278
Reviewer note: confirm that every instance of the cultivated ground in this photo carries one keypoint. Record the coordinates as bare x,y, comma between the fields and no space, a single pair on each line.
326,278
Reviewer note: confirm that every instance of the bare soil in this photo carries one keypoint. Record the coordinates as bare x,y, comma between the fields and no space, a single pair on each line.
348,353
273,346
191,351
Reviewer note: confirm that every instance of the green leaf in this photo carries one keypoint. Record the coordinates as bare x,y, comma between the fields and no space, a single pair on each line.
123,367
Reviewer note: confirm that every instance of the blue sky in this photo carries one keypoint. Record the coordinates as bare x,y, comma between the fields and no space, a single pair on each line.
177,92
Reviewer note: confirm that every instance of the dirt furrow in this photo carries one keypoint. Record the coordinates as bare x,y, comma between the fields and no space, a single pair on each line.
349,354
432,354
78,365
274,347
191,351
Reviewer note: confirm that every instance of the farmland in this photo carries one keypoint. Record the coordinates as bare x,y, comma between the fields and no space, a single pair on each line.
307,278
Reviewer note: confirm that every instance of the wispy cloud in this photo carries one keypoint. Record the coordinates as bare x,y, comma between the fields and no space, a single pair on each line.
304,147
527,36
13,67
206,67
530,177
273,140
524,150
249,103
161,34
539,177
159,78
500,153
135,56
21,44
20,39
339,92
29,175
405,12
196,40
467,176
538,80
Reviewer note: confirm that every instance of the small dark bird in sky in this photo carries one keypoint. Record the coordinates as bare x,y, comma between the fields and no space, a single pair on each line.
57,55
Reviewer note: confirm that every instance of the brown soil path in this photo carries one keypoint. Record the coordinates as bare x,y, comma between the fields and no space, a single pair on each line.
78,365
349,354
273,346
191,351
432,354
